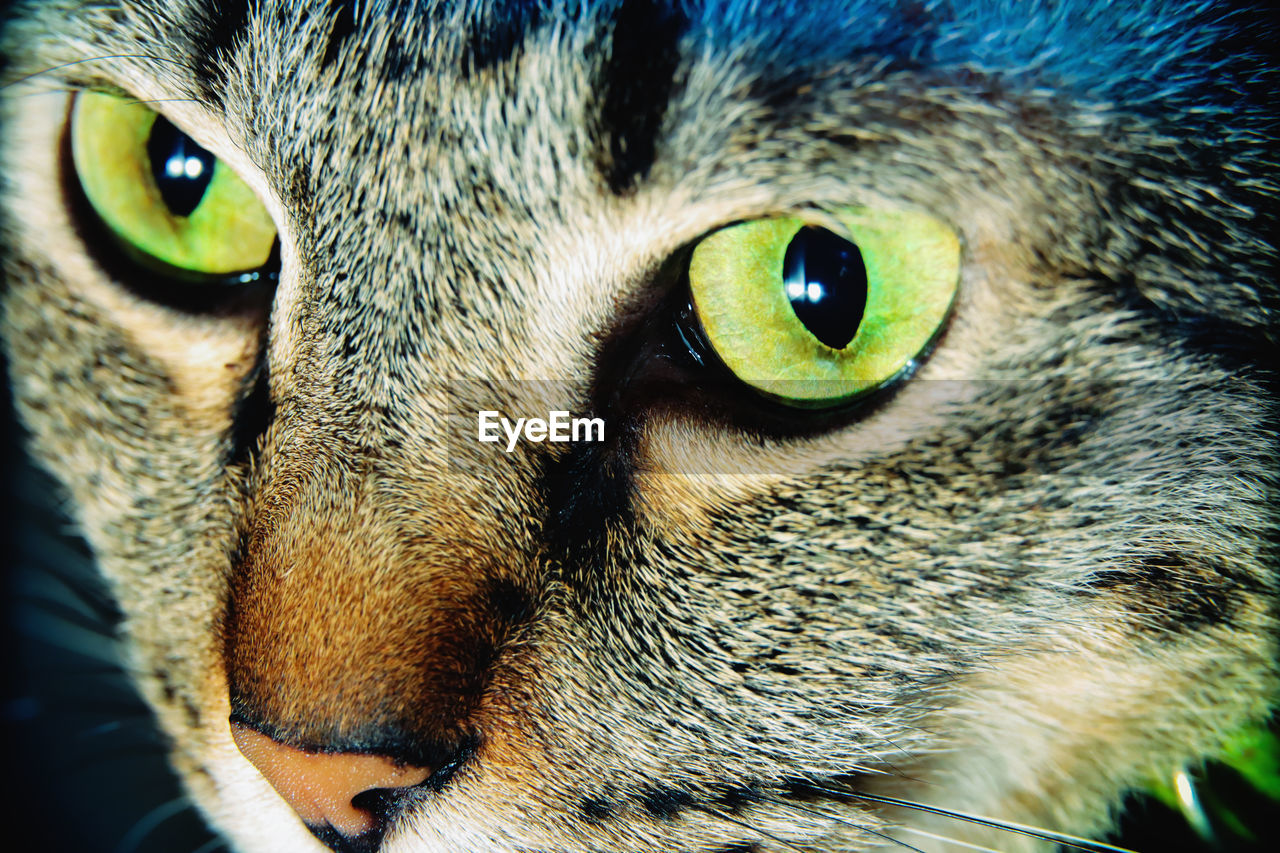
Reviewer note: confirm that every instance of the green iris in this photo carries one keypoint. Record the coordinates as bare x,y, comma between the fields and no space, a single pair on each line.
899,269
188,210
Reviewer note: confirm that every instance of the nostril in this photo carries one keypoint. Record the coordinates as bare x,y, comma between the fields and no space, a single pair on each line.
375,801
344,798
379,802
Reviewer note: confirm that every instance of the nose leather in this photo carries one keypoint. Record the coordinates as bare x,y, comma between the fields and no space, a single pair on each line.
320,786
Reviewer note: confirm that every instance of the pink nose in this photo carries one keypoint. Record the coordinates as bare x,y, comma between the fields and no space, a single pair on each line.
320,786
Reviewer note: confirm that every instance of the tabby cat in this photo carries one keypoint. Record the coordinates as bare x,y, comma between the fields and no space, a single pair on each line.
926,342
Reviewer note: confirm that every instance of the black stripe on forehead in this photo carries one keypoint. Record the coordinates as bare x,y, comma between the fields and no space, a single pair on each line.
217,30
636,82
342,28
497,31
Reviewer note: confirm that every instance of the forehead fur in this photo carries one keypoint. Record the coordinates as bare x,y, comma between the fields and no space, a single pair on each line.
500,101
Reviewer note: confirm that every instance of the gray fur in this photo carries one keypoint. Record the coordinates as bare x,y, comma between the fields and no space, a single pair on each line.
988,593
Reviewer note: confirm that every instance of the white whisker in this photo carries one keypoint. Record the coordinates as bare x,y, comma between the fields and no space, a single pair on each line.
995,823
956,841
845,822
755,829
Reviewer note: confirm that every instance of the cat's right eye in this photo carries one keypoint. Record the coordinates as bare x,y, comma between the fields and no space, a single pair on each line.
815,319
166,201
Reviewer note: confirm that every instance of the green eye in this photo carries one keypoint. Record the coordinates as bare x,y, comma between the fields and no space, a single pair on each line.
162,195
814,318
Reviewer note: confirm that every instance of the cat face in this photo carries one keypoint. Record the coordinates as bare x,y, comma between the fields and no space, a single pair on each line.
1002,551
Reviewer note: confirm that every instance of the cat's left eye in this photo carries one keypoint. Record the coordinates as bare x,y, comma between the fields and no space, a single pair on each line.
814,317
166,200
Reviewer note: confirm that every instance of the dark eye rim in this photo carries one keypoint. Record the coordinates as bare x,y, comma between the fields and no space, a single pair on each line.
150,278
760,411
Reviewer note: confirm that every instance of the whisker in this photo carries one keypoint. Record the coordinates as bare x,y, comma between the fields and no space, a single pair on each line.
1008,826
135,754
717,813
61,611
122,706
210,845
955,841
844,821
93,668
84,590
25,77
85,645
149,821
109,727
164,101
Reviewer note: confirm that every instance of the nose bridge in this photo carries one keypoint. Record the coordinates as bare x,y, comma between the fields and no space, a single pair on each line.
356,623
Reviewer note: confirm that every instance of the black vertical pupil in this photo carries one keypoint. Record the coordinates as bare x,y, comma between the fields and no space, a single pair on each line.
181,168
826,283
